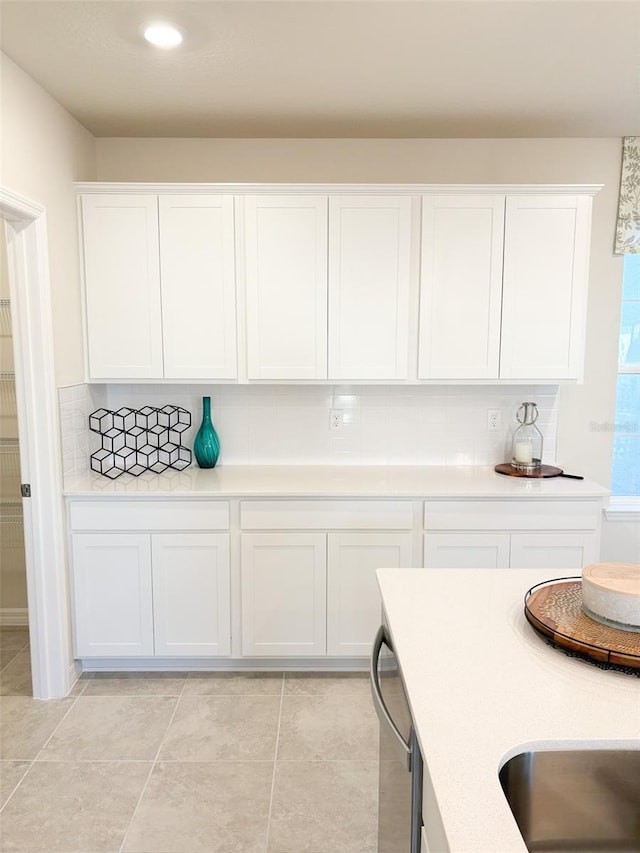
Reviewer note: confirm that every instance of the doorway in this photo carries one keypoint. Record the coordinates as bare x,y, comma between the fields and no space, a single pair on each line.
38,445
15,663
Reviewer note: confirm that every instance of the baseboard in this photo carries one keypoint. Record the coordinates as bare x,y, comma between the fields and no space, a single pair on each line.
14,616
224,664
75,671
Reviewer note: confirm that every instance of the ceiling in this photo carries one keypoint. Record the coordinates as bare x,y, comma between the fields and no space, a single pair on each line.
337,68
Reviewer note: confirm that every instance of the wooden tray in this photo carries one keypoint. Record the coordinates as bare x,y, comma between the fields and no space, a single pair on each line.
554,609
545,471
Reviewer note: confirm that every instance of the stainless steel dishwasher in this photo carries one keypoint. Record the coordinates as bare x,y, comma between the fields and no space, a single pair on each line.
400,794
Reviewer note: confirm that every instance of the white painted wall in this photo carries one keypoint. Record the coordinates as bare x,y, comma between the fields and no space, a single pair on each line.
44,150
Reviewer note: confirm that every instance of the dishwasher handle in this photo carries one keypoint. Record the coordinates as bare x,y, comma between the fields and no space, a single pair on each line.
382,638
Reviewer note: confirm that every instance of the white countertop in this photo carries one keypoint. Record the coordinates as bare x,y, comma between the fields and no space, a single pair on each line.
335,481
483,686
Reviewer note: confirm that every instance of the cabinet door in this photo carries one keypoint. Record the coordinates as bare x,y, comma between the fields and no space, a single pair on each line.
460,286
553,550
191,594
353,599
286,286
284,594
197,267
369,262
112,594
122,286
466,550
546,257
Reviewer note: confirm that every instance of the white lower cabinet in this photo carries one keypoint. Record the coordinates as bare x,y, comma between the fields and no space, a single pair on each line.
306,594
466,550
170,578
112,594
191,594
284,595
503,550
560,550
143,594
353,599
486,534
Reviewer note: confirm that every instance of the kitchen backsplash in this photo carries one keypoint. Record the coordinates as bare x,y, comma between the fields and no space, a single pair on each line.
291,424
76,404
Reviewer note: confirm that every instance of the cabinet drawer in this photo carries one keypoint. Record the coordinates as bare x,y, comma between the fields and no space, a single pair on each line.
149,515
511,515
326,515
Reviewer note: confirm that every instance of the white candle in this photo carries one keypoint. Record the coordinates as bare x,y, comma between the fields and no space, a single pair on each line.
524,452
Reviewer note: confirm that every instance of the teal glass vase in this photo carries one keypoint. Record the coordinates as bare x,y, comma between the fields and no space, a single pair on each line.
206,446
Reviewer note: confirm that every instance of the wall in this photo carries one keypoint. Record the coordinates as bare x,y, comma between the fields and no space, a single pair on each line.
44,150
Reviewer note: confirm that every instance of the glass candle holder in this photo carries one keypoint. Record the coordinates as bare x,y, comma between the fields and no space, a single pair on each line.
526,454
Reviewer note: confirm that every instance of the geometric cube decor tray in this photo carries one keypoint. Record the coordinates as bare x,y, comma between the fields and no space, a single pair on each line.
138,440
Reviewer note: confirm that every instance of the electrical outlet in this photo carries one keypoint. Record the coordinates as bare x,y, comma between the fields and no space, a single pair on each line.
336,420
494,420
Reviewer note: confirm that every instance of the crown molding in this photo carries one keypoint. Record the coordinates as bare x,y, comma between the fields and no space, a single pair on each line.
335,189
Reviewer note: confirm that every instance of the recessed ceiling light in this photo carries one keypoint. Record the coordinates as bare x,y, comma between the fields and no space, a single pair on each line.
163,35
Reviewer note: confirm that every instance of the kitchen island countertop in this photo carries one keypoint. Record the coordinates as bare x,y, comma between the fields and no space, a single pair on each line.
482,687
401,481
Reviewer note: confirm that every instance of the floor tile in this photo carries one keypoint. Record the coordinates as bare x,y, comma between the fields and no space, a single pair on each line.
77,689
15,678
220,807
328,728
233,684
14,638
7,655
27,724
325,684
324,807
210,728
100,728
136,684
72,807
11,772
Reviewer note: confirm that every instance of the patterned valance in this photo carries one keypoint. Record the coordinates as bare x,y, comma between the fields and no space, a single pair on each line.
628,225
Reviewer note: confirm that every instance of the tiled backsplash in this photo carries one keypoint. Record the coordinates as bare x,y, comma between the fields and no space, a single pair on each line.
290,424
76,404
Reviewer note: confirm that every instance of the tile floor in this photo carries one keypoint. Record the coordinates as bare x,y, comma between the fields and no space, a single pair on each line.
186,763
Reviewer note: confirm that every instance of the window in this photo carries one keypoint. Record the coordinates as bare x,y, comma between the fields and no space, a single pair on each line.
626,445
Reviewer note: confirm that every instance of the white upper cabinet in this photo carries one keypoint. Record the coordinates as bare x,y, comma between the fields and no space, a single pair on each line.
271,283
160,286
122,286
362,331
197,268
286,286
503,286
546,256
460,286
369,268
